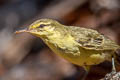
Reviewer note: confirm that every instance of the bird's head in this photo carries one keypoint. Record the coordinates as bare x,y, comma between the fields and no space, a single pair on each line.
42,27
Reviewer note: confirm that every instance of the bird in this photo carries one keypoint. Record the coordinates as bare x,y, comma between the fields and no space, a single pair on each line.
81,46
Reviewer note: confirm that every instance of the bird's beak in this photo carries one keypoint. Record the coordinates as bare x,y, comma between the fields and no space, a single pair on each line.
21,31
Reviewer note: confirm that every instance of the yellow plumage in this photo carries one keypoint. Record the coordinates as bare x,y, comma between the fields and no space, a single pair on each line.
81,46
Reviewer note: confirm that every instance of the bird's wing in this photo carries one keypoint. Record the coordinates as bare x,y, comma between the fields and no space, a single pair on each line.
91,39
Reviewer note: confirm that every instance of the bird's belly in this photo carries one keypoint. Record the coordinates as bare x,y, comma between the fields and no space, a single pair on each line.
85,57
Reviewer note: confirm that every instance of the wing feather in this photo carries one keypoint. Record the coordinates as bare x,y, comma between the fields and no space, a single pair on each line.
91,39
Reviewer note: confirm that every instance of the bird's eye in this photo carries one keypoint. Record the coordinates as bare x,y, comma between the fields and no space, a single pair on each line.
42,25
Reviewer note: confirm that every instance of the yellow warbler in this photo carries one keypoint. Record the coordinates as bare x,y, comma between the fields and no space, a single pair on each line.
81,46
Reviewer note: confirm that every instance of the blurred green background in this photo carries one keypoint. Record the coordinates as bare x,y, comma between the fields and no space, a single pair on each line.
24,57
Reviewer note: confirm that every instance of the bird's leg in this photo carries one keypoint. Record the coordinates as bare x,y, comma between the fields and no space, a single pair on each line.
87,69
110,75
113,66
